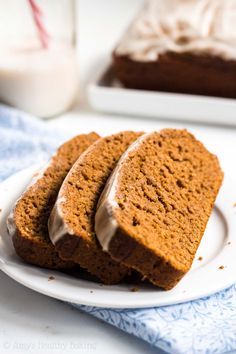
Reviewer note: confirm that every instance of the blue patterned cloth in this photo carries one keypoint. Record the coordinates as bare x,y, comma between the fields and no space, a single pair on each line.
204,326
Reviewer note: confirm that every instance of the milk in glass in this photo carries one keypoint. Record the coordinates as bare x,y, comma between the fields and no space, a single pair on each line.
40,80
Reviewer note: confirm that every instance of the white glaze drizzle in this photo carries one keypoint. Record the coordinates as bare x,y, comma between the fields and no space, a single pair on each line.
180,26
57,227
11,226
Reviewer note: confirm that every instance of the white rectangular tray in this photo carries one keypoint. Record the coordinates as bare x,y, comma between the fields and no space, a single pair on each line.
106,95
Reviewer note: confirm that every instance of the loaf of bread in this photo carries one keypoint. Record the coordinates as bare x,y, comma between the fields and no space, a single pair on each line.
180,46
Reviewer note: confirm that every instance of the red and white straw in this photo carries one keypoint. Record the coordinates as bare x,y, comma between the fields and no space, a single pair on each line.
37,15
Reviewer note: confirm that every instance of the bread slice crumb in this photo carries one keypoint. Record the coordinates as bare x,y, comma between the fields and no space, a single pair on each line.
134,290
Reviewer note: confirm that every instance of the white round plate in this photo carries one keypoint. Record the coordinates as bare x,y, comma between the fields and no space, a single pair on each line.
215,271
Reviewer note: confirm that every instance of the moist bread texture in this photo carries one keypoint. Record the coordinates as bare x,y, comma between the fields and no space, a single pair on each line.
156,205
28,222
71,224
179,73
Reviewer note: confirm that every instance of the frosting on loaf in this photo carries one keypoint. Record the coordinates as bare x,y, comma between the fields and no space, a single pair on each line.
202,27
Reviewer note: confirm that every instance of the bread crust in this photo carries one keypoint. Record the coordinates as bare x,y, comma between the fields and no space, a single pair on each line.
178,73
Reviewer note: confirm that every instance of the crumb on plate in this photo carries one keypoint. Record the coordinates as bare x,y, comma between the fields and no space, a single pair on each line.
134,290
51,278
200,258
221,267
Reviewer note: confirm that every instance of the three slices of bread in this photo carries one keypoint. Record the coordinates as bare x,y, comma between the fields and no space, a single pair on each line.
129,201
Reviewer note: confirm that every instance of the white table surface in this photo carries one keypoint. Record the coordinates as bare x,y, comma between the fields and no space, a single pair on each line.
34,323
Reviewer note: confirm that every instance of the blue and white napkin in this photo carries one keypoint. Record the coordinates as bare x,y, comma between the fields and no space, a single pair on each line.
204,326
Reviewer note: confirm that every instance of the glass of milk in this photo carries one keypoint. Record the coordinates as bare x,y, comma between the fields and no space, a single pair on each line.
38,66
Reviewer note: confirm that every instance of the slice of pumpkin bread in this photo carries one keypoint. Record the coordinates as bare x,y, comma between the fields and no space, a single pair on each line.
27,223
156,205
71,224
